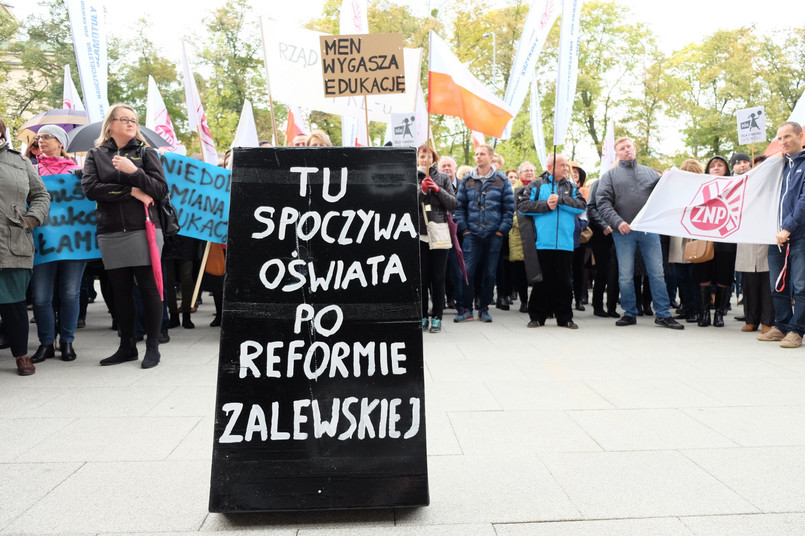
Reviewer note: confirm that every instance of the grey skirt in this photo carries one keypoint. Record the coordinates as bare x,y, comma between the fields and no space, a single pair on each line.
123,250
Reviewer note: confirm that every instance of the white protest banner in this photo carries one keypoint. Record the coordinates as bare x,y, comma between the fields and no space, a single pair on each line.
541,16
158,119
70,98
740,209
89,41
608,149
751,125
568,68
195,113
294,65
536,124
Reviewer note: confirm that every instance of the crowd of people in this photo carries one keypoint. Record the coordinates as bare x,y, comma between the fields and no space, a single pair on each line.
544,240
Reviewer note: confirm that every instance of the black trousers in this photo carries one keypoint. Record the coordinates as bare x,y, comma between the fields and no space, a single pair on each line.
433,264
606,273
15,322
122,280
758,306
554,294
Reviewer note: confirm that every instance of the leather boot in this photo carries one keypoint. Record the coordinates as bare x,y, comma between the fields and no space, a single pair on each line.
45,351
722,305
152,356
186,322
705,300
174,321
25,366
127,351
67,352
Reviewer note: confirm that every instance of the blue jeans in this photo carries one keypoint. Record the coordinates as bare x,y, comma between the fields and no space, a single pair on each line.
484,252
787,319
650,249
65,276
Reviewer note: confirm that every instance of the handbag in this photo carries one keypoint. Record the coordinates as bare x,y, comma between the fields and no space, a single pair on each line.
216,260
438,233
697,251
168,219
586,235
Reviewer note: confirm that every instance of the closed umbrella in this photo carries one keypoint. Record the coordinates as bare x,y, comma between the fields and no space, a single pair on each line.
153,248
451,224
82,139
66,119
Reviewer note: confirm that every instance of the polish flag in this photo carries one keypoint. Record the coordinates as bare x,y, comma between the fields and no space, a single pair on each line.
294,126
158,119
195,114
453,90
478,139
70,98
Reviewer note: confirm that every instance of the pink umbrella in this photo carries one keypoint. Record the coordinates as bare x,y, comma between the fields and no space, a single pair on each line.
156,259
453,226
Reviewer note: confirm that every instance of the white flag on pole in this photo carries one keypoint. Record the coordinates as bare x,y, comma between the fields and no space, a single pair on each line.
89,41
354,20
70,98
536,124
608,149
541,16
568,68
740,209
158,119
246,135
195,113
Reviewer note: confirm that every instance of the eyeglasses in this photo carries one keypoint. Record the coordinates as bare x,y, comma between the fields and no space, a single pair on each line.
529,171
126,121
44,137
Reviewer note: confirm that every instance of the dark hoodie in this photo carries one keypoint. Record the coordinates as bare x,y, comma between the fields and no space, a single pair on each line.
718,157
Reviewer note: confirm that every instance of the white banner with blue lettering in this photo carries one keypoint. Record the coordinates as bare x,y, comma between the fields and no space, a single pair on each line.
568,68
89,41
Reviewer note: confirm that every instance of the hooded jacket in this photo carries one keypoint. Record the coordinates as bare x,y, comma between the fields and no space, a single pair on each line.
22,193
485,205
54,165
117,210
555,228
792,197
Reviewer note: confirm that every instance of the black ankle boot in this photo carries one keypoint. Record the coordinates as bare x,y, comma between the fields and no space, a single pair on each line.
216,321
186,322
722,305
705,300
67,352
152,356
45,351
174,321
127,351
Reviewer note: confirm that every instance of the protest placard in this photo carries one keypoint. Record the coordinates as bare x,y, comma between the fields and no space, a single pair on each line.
320,399
69,232
365,64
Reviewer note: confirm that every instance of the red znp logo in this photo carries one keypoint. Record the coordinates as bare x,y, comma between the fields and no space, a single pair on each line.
716,209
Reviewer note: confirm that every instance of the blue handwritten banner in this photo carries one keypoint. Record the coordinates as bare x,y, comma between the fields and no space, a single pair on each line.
200,193
69,233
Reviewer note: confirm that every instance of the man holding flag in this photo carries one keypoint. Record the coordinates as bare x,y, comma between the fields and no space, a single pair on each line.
622,192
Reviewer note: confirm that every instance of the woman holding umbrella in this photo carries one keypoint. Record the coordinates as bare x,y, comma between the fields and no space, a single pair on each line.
125,178
63,275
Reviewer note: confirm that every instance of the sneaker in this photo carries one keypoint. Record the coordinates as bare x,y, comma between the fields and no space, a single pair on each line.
792,340
626,320
436,325
484,316
463,316
601,313
425,324
668,322
771,335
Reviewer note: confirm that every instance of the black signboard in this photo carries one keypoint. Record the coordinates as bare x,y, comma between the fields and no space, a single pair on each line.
320,401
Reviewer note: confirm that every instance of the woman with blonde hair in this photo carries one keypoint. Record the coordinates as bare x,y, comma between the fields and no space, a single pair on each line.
125,178
319,138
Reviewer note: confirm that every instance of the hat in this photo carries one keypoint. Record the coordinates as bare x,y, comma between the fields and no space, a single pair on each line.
582,173
57,132
739,157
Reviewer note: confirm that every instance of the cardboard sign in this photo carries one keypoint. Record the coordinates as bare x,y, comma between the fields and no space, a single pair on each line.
320,401
367,64
69,232
200,193
751,125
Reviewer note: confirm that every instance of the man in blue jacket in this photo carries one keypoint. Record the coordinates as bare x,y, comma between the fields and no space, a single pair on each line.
789,325
554,203
484,216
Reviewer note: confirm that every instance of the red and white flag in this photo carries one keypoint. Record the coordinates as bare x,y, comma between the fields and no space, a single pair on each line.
294,127
478,139
158,119
195,113
354,20
70,98
454,91
741,209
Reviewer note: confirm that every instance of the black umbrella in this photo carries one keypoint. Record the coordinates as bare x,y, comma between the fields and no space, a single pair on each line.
82,139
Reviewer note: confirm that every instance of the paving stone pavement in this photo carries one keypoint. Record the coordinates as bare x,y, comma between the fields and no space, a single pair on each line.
599,431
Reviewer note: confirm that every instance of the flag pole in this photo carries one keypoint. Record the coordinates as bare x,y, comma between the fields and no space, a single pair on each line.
268,86
553,185
366,116
207,247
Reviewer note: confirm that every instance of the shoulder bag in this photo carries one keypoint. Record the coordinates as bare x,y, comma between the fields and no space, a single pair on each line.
438,233
697,251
